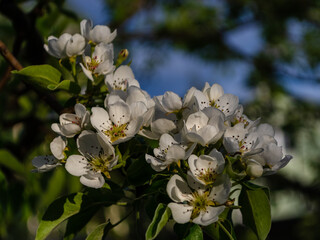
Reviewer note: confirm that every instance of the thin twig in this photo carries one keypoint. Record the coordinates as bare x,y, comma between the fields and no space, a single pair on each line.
9,57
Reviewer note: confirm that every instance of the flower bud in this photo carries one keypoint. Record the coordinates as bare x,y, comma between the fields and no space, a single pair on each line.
254,169
122,56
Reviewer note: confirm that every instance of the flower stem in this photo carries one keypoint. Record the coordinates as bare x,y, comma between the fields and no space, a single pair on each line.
225,230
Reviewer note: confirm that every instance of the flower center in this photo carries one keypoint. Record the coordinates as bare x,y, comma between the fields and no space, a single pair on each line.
116,132
93,64
200,202
100,163
208,176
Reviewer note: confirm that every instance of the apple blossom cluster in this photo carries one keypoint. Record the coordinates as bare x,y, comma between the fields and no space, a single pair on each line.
204,140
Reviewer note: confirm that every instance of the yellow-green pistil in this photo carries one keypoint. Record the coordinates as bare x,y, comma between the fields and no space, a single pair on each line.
116,132
101,164
207,176
200,202
93,64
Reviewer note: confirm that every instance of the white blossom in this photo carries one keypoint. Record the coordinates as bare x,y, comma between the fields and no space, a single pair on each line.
97,158
49,162
66,45
97,34
200,206
206,168
121,79
72,124
204,127
100,62
117,124
169,151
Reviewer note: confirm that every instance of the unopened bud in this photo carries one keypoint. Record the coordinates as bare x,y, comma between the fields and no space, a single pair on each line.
122,56
254,169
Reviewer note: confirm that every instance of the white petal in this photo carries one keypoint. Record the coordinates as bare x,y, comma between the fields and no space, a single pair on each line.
198,119
265,129
195,183
93,181
191,161
77,165
57,147
221,189
171,102
88,144
201,100
215,92
138,109
100,34
210,215
187,99
100,119
69,130
227,103
205,162
87,72
119,113
166,140
156,164
134,126
80,110
108,149
175,153
220,159
45,163
56,128
75,45
85,27
181,213
162,125
178,189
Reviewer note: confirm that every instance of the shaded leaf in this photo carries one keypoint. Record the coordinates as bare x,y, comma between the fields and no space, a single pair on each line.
160,219
195,233
78,221
11,162
255,209
216,231
100,232
60,210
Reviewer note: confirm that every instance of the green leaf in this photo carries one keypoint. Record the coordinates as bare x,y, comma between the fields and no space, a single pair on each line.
78,221
39,75
60,210
11,162
66,85
160,219
100,232
221,230
255,209
195,233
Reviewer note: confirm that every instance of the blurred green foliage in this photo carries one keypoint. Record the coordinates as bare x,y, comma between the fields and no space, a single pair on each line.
199,28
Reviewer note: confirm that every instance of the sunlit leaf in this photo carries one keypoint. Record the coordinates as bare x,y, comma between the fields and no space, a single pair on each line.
66,85
39,75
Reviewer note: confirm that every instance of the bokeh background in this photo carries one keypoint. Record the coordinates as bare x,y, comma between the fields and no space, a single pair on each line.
265,52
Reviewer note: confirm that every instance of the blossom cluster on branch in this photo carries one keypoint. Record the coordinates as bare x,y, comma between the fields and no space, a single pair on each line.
203,143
